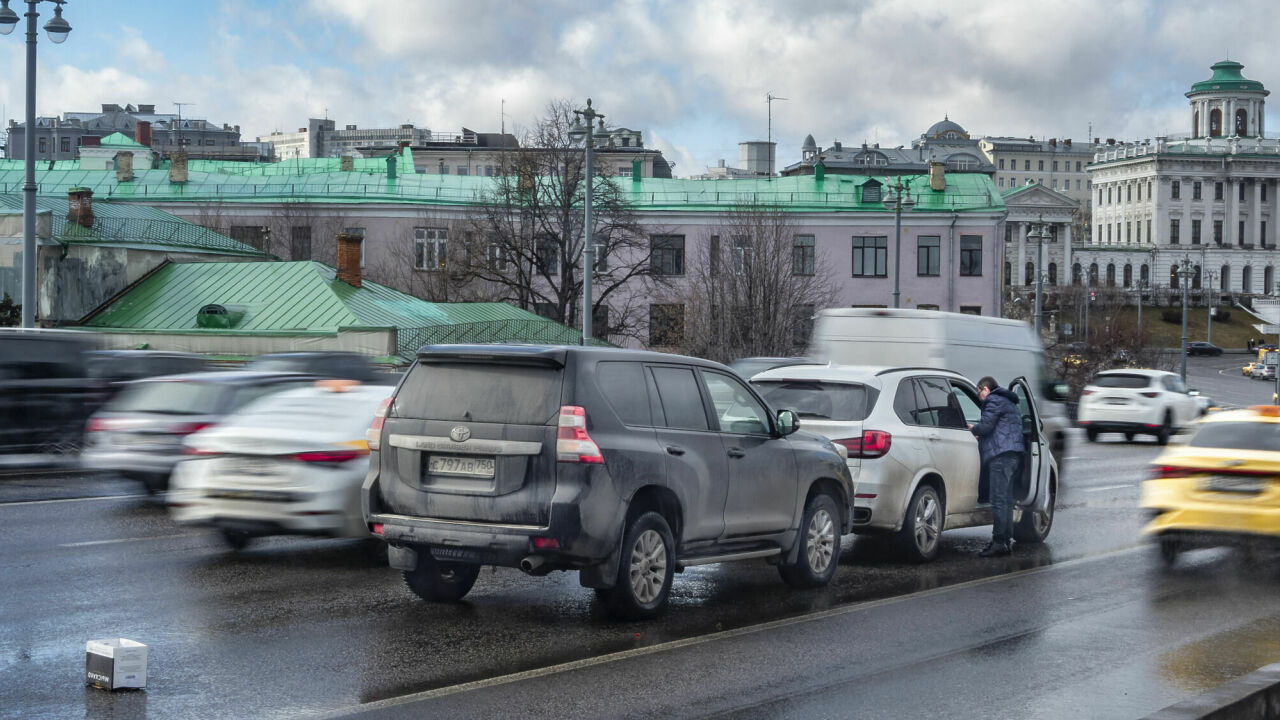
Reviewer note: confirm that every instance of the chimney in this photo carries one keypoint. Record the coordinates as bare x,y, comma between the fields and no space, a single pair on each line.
80,206
1067,142
819,172
347,163
937,176
1095,141
403,145
1053,142
1111,141
178,167
124,166
349,258
142,133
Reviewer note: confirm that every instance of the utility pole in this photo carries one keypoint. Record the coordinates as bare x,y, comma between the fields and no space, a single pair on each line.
180,104
769,98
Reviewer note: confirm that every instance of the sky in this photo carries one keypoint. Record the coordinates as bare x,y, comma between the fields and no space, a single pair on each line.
691,75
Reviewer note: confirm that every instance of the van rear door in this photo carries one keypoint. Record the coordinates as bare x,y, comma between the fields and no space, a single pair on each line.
473,439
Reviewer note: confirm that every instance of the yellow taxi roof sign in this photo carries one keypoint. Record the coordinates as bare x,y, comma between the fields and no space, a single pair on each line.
337,385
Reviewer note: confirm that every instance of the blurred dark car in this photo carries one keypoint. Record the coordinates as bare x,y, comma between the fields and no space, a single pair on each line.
1203,348
44,396
139,433
343,365
111,369
749,366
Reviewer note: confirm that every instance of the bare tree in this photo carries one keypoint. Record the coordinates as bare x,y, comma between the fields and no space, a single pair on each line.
528,232
754,287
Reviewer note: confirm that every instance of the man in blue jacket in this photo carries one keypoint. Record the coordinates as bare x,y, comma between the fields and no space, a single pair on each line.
999,433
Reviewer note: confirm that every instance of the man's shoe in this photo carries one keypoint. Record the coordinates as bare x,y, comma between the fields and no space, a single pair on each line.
995,549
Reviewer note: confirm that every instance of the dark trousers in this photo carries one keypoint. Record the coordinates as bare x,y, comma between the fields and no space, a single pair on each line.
1000,475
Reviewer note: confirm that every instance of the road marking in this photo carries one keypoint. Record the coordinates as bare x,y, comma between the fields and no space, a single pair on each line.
1105,488
713,637
68,500
87,543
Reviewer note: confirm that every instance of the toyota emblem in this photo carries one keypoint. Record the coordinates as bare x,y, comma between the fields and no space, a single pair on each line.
460,433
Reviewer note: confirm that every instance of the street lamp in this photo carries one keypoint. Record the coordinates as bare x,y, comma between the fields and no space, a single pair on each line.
1210,300
898,201
1041,234
1185,271
57,28
581,132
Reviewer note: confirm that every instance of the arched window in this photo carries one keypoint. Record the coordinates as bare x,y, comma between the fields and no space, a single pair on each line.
1215,123
1246,279
1195,124
1111,274
1029,274
1144,274
1008,274
1093,274
1226,279
1128,275
1173,277
1075,274
1195,279
1242,123
1268,280
1053,273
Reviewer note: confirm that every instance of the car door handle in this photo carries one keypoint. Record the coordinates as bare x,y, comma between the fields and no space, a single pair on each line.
675,450
934,436
736,452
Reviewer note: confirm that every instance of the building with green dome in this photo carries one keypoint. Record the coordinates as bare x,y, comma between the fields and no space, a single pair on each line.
1227,103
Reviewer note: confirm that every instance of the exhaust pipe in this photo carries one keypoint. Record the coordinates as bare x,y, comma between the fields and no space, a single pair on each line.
532,563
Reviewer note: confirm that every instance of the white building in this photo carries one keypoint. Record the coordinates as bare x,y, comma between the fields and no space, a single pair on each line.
1056,164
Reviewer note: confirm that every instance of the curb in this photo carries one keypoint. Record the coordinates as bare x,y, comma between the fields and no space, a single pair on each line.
1255,696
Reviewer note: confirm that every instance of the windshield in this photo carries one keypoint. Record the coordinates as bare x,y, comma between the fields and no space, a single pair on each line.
1118,380
279,364
480,392
170,397
1238,436
819,400
351,411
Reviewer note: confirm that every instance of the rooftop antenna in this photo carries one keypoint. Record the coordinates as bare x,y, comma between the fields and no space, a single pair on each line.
502,115
180,104
769,98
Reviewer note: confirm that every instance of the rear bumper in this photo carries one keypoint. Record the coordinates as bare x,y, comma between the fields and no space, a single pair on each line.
1120,426
126,461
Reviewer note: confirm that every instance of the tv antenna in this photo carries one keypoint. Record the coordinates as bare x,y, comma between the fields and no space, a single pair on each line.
180,104
769,98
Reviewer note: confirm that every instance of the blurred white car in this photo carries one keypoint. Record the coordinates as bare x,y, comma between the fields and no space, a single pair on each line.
291,463
1147,402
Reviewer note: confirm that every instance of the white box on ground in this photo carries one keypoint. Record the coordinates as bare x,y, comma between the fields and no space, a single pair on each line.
115,663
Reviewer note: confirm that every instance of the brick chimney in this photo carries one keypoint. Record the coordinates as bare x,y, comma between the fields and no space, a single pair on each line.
178,167
1053,142
937,176
80,206
1067,142
124,166
142,133
349,270
347,163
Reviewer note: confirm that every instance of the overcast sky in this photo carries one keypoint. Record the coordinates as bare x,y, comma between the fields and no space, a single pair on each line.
692,75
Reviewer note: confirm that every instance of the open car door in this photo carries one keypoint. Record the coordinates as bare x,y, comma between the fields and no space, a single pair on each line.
1032,483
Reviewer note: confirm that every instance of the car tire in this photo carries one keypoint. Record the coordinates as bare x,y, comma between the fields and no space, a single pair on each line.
1092,434
440,581
819,540
921,527
645,570
1034,526
1169,549
1166,430
1128,437
235,539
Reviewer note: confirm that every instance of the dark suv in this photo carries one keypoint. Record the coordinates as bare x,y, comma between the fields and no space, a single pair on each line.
626,466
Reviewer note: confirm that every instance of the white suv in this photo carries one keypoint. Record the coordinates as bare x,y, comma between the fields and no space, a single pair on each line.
1148,402
915,464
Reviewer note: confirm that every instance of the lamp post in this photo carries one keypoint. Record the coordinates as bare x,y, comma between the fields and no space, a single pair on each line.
897,202
57,28
1088,295
1184,273
583,132
1211,298
1040,233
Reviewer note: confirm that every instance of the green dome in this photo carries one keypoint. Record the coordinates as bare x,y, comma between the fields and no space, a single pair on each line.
1226,76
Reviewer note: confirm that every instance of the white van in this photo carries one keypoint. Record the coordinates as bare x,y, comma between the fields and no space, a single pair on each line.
972,345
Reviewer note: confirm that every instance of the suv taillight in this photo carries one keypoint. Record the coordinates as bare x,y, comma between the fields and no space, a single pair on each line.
373,436
573,444
872,444
1151,394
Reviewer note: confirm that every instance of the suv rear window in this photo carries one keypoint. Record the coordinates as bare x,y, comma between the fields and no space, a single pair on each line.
1238,436
1120,380
819,400
171,397
480,392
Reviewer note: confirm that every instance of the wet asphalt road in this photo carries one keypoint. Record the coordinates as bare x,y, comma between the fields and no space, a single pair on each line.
1085,626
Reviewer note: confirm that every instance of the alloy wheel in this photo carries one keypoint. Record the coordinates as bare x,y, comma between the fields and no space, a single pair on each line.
822,540
927,523
648,566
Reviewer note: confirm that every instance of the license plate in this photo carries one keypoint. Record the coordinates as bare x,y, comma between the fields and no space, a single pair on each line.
1117,401
249,467
1235,483
462,466
455,554
143,441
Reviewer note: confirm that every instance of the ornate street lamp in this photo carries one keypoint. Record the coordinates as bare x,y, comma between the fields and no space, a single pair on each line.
57,28
1041,234
898,201
582,132
1185,270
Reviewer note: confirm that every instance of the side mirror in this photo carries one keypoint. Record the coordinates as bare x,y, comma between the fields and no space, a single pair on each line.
787,423
1193,392
1059,392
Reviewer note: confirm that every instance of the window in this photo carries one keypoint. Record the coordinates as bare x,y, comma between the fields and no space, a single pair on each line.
43,144
1000,181
624,388
1077,166
1217,191
1001,163
1128,193
907,405
254,235
666,254
430,248
971,255
929,255
802,255
1177,189
1040,165
1215,123
666,325
546,310
1262,230
802,327
1108,193
1055,183
601,248
66,147
497,256
1195,190
936,405
1053,273
600,321
1217,232
872,192
1139,192
547,252
1108,233
743,254
1150,238
1240,234
1264,192
1077,184
1026,166
681,399
842,402
1138,226
736,409
1195,232
1055,166
1173,231
1241,186
300,242
870,256
970,309
1128,232
1242,123
1029,274
462,170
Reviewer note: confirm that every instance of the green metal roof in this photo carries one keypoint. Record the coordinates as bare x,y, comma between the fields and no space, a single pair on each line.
306,298
304,166
116,139
119,224
1226,76
835,193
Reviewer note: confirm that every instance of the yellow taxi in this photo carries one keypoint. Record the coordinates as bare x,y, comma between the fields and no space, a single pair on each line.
1248,368
1221,488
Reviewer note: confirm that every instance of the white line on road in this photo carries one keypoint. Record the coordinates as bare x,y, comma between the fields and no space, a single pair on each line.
68,500
1104,488
124,540
713,637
